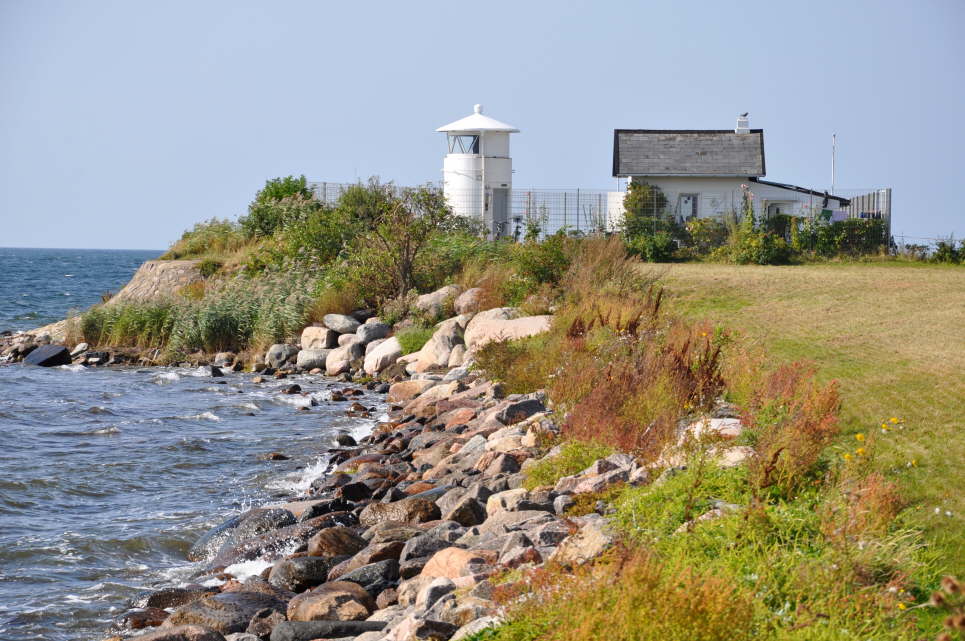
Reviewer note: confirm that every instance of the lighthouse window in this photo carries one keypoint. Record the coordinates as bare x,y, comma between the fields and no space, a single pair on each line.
463,144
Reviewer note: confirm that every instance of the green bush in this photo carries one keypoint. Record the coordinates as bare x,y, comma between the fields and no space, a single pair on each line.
574,457
209,267
653,248
264,214
645,210
946,252
760,248
212,237
411,339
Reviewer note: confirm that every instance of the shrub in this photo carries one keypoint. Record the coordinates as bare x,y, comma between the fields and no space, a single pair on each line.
792,419
209,267
574,457
213,237
265,215
653,248
411,339
645,208
706,234
759,248
946,252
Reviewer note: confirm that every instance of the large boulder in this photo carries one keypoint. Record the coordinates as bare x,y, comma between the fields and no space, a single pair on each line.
238,528
317,337
382,356
411,510
468,301
369,332
336,541
309,359
340,360
434,303
48,356
309,630
341,323
300,573
588,543
226,612
182,633
407,390
452,562
338,600
483,329
438,349
279,354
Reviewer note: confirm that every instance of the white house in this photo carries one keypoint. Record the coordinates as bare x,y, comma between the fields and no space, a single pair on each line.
705,172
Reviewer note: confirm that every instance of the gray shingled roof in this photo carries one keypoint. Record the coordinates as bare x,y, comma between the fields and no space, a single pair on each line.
654,152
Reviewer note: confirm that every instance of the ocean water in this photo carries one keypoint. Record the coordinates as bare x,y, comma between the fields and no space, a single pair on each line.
40,286
107,476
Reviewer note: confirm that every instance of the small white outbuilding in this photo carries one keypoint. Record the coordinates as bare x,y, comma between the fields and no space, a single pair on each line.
477,172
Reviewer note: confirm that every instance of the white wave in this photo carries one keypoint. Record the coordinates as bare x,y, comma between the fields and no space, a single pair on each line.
166,377
73,368
110,429
295,400
299,482
250,406
203,416
245,569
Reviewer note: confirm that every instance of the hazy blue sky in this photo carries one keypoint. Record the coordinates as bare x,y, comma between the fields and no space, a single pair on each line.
123,123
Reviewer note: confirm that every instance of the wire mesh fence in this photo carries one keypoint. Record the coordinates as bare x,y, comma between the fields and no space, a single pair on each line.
525,210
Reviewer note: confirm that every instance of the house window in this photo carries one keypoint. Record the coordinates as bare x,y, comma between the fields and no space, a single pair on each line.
463,144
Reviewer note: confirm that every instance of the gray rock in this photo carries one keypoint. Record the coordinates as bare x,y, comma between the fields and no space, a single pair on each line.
423,545
301,573
181,633
372,331
309,630
226,612
516,411
48,356
467,511
341,323
80,348
435,590
375,577
309,359
279,354
475,627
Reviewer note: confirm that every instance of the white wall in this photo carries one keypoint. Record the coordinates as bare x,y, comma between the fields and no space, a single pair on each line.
720,196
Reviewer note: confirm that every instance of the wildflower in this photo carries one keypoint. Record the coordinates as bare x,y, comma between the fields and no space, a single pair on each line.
894,420
859,436
847,457
884,430
860,451
902,606
914,462
703,333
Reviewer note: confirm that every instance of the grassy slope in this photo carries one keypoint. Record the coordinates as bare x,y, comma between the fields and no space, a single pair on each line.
894,337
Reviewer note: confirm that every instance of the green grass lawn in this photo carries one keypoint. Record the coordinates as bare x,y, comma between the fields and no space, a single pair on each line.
893,335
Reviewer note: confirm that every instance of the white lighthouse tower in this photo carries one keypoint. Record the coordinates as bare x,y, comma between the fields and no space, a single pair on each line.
477,172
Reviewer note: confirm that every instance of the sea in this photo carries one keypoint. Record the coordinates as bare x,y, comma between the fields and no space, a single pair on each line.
108,476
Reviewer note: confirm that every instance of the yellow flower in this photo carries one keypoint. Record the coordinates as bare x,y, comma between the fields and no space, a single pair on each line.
914,462
894,420
901,606
847,457
859,436
703,333
884,426
859,451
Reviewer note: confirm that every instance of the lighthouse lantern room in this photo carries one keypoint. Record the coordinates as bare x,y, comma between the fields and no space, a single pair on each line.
477,172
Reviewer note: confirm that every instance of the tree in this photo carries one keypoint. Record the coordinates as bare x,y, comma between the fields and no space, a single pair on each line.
644,209
397,226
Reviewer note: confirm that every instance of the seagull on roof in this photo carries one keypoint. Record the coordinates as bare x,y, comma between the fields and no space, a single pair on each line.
745,114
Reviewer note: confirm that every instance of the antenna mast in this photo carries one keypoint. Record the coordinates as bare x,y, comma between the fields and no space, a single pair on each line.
834,143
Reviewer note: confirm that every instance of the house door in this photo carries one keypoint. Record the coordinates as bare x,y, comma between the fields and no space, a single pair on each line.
687,206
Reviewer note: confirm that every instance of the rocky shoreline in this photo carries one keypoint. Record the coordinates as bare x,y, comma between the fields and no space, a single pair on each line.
407,533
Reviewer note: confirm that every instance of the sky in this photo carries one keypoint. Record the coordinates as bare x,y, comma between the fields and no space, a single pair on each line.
124,123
